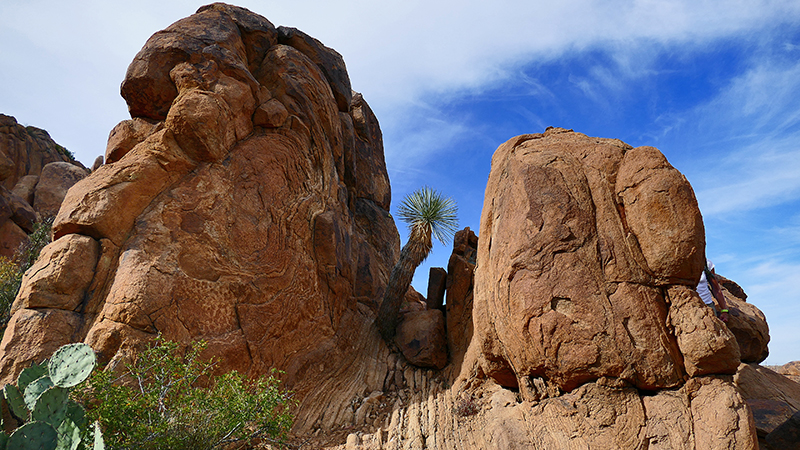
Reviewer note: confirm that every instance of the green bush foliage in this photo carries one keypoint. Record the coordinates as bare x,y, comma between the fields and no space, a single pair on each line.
11,270
157,404
10,281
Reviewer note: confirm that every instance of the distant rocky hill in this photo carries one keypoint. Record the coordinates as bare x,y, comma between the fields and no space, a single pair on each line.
35,174
246,203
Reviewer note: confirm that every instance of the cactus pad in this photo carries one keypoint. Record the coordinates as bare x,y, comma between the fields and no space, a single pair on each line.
76,414
31,374
34,436
69,436
98,438
35,389
71,364
16,402
51,406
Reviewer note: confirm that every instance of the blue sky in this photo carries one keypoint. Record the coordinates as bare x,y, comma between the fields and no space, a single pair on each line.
715,85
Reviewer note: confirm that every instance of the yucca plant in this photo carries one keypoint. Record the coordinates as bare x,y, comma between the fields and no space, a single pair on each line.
428,214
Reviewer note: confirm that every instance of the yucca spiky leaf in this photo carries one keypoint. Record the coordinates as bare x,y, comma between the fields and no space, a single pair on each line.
429,212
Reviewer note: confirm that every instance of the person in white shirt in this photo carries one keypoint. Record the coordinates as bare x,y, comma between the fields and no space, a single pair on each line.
709,289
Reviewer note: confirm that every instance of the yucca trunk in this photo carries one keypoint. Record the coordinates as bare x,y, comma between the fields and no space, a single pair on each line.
411,256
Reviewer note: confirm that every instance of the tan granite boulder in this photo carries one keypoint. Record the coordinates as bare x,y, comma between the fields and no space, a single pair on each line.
772,397
25,187
259,236
747,323
421,338
571,274
54,182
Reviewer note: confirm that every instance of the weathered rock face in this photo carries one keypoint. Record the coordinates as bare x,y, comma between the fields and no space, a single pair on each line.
747,323
17,218
587,254
25,151
588,248
266,238
421,338
774,400
460,292
54,182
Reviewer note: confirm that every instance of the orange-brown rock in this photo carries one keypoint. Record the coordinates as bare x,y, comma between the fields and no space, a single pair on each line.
790,370
460,292
25,151
588,254
17,218
437,284
54,182
747,323
421,338
209,221
773,397
25,187
577,247
11,237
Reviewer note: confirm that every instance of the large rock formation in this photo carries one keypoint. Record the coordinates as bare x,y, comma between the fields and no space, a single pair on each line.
246,203
588,253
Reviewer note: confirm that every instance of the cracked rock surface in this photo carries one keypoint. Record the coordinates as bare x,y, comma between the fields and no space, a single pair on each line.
245,203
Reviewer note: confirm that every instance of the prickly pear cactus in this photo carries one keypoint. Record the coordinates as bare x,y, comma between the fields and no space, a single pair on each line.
69,436
98,438
42,398
71,365
16,402
31,374
34,436
51,406
76,413
35,389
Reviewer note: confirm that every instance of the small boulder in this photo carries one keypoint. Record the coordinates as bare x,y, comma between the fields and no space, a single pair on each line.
11,237
271,114
126,135
412,301
21,211
97,163
749,325
790,370
421,338
25,187
54,182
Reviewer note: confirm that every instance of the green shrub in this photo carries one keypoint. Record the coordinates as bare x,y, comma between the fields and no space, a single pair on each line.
10,281
157,404
11,270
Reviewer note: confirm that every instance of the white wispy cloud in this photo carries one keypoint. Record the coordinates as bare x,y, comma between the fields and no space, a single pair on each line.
397,52
756,121
773,283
